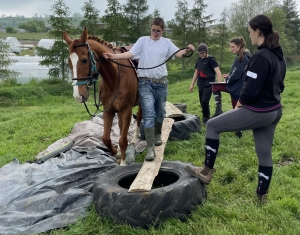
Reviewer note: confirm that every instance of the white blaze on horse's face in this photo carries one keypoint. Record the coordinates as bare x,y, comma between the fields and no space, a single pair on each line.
74,59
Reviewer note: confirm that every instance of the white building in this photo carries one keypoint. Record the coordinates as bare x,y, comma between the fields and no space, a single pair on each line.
29,68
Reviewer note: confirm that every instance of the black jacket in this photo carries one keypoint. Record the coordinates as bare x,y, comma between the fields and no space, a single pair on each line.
264,78
206,71
235,79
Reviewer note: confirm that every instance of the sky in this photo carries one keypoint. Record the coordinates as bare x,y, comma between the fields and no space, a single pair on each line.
167,7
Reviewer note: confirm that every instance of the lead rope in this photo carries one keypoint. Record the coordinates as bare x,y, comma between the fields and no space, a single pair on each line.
128,66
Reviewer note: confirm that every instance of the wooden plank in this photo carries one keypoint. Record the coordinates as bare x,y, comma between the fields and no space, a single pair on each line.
172,110
149,170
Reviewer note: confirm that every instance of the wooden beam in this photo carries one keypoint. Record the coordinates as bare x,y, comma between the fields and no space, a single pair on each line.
172,110
144,180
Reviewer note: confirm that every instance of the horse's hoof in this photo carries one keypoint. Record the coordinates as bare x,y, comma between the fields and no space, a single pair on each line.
117,155
123,163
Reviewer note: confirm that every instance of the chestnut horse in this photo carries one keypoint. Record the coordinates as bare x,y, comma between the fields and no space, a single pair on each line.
118,88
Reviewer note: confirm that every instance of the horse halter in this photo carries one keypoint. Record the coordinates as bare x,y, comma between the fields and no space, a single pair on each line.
93,72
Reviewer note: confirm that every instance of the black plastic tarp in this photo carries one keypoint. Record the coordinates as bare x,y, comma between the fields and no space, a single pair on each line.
35,198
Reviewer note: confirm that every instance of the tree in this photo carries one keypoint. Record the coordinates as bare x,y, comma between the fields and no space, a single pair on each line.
138,21
56,57
5,62
91,17
180,26
241,12
220,38
35,16
198,22
10,30
76,19
116,23
292,25
278,18
34,26
156,13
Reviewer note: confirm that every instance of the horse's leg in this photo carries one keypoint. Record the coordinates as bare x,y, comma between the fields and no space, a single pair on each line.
124,122
108,121
138,122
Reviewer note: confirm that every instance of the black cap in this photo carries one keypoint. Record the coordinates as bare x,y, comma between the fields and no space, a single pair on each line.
202,48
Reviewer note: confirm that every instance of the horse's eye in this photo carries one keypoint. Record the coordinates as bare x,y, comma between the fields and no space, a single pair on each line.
84,60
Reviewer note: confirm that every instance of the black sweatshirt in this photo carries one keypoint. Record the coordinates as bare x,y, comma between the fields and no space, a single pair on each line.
235,79
264,78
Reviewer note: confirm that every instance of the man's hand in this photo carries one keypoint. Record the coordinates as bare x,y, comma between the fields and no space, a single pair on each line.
107,55
190,47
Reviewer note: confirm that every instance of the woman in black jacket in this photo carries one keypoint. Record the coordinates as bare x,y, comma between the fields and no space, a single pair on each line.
258,108
235,79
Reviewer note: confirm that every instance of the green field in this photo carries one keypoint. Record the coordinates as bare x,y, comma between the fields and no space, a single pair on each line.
35,115
25,36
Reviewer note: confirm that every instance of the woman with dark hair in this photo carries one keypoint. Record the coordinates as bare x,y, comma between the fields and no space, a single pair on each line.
258,107
235,79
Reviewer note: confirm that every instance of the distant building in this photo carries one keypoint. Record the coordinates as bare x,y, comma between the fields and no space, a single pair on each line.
212,28
28,68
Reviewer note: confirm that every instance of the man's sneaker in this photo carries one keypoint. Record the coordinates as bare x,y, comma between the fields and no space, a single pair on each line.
196,171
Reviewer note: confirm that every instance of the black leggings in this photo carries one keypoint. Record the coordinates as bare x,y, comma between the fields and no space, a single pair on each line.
262,124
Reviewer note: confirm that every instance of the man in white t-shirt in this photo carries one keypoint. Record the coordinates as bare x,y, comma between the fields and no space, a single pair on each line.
153,83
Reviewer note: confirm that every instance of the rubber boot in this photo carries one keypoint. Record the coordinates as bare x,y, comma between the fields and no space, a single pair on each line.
157,133
218,101
149,136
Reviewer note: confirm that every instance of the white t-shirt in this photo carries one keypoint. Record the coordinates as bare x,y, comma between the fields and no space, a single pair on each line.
152,53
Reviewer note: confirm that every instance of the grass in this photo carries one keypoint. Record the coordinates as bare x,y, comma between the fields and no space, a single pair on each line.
35,115
25,36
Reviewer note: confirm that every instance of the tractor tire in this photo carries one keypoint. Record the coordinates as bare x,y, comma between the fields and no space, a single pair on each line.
174,194
182,127
181,107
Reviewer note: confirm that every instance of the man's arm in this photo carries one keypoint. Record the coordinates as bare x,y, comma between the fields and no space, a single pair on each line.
122,56
193,81
190,47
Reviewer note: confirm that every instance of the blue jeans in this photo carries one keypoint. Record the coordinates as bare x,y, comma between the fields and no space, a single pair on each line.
153,98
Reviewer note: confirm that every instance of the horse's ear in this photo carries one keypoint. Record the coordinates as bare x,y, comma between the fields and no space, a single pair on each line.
67,38
84,36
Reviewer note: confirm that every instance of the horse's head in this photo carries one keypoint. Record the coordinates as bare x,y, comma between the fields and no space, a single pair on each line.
83,63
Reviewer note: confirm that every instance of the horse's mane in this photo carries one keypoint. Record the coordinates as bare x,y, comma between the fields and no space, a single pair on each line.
103,42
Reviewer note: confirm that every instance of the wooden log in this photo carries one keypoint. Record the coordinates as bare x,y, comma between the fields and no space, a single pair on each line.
172,111
149,170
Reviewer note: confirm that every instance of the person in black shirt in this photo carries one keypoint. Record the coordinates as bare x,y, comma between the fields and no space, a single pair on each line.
258,107
206,69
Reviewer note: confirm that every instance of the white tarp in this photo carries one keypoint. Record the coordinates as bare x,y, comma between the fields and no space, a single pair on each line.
46,43
14,44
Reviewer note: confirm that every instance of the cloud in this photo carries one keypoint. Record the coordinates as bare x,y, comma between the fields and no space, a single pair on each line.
167,7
